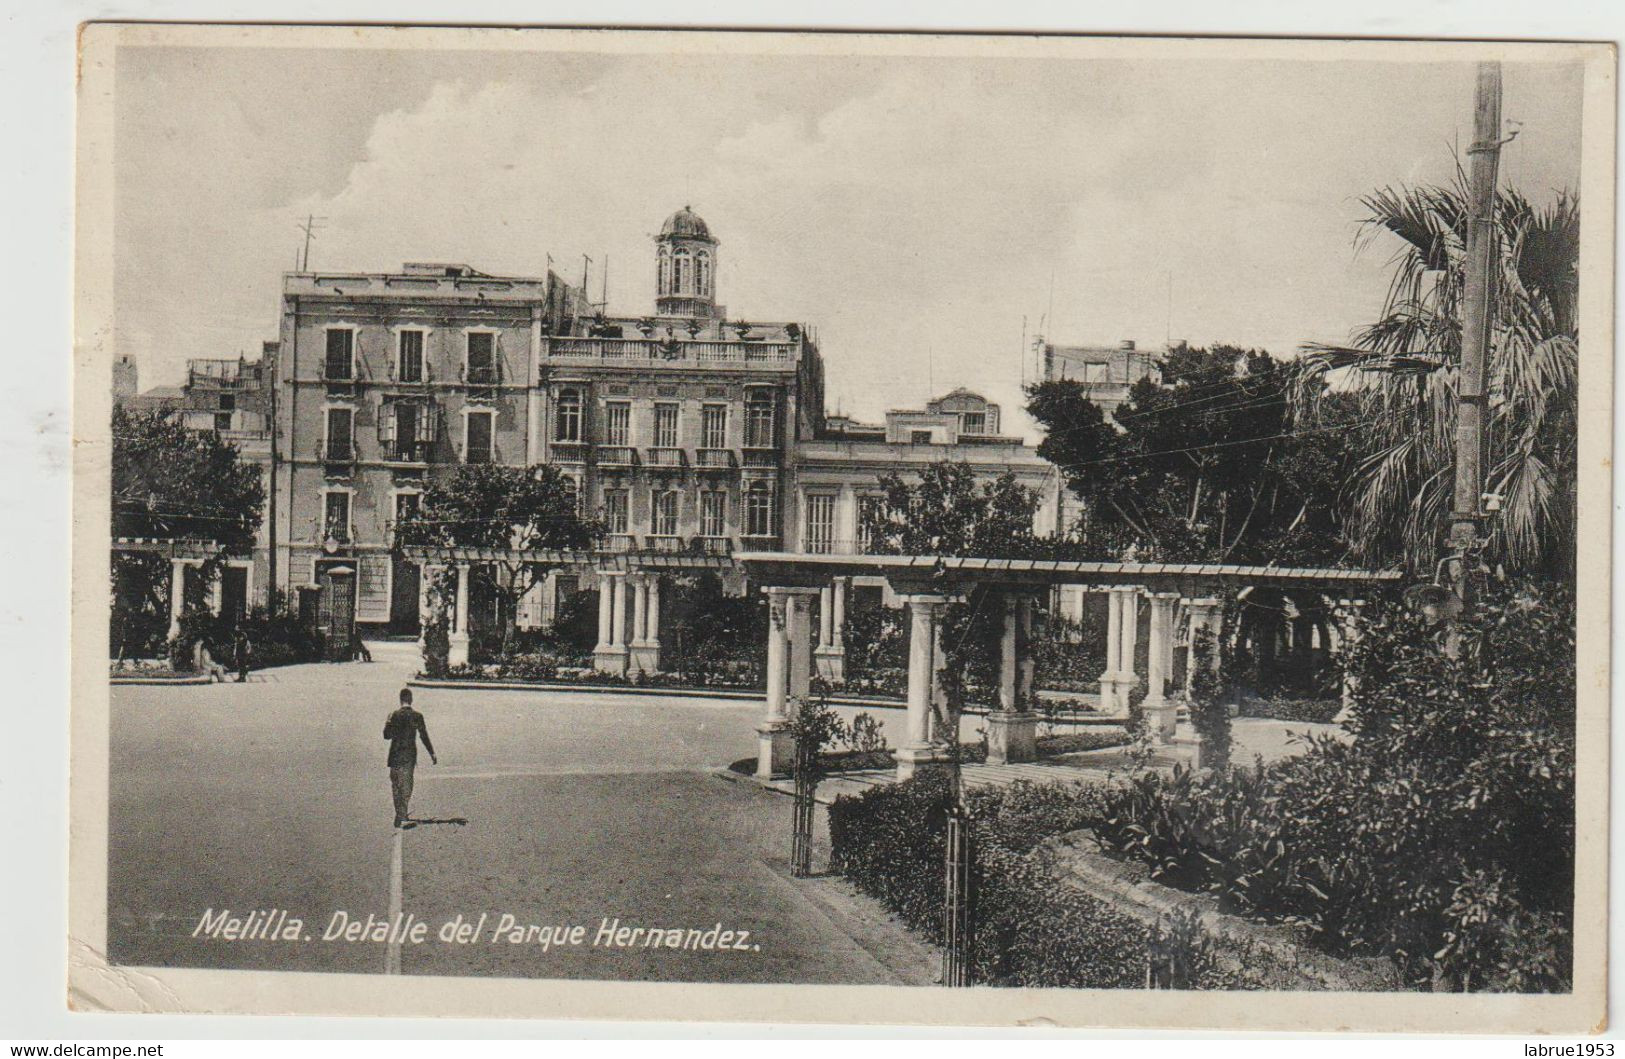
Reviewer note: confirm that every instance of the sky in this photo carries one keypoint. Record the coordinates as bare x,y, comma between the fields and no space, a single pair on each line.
921,214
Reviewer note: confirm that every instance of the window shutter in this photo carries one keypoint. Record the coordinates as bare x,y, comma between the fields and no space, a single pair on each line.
429,423
386,423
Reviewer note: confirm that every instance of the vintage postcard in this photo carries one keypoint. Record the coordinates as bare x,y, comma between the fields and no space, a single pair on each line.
862,528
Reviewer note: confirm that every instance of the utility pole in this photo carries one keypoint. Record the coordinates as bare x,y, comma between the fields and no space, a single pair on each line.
1478,311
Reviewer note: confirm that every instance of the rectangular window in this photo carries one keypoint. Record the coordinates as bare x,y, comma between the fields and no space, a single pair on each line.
759,511
228,402
713,518
406,505
340,363
222,420
410,366
615,507
478,449
406,429
714,426
665,426
482,364
973,423
569,417
759,431
1096,371
819,533
665,513
336,517
920,437
340,433
869,508
617,423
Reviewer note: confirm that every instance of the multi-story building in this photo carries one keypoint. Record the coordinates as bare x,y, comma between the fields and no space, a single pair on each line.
1109,372
232,398
690,434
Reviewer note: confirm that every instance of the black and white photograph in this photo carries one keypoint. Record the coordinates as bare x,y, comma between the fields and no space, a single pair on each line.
957,529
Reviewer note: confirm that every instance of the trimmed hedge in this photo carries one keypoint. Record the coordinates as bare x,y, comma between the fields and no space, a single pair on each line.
1031,928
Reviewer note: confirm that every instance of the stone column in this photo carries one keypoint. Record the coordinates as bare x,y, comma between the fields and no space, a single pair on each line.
177,595
1160,709
1205,615
457,652
617,623
1128,639
610,654
1348,613
828,658
1026,665
800,629
1111,700
640,610
1012,730
775,745
651,635
917,751
637,654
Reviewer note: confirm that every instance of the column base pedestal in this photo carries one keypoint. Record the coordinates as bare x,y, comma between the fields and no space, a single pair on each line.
829,663
913,760
775,750
1011,737
457,650
643,658
610,659
1161,718
1113,693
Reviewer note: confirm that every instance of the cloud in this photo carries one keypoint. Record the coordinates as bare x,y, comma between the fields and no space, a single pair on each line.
913,211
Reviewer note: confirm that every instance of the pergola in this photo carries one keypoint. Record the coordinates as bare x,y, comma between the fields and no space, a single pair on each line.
181,552
926,583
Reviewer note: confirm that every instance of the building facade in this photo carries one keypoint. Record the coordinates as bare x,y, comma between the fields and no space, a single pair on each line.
691,435
1109,372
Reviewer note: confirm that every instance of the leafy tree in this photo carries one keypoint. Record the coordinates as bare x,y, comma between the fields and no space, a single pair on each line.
949,512
1209,463
1405,385
172,483
517,512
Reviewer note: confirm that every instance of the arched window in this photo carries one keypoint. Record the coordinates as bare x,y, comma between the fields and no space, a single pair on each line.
681,271
569,418
702,274
663,283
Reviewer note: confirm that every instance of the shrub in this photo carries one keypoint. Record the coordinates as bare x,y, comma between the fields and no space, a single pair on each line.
1442,837
1304,711
866,735
1031,929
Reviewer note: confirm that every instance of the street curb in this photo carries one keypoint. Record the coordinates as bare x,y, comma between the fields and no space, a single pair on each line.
701,693
164,681
633,689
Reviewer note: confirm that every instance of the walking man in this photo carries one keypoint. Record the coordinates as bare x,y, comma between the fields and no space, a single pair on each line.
402,730
240,648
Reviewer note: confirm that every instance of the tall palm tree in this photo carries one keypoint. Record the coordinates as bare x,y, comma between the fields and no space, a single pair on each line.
1403,370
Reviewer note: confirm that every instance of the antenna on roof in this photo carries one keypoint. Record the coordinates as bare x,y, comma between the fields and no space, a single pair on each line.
605,303
310,228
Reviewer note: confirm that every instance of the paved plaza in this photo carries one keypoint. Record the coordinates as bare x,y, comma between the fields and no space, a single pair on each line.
558,810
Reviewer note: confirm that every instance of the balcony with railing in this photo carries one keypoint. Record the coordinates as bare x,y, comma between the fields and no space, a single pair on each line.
714,459
663,543
759,542
761,456
482,374
620,542
676,351
617,456
670,459
415,452
569,451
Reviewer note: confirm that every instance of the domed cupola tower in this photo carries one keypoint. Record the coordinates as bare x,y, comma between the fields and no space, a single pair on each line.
686,283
